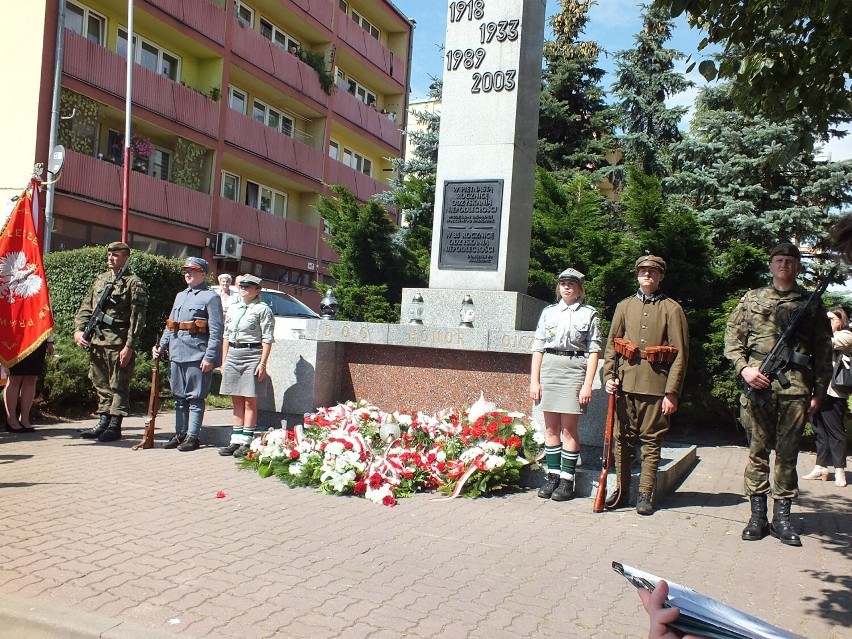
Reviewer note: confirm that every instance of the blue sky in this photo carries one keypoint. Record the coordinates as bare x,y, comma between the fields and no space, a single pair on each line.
612,24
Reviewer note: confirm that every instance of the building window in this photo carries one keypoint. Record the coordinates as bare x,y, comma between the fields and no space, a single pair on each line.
244,13
333,150
344,6
230,186
279,37
80,19
351,85
237,100
366,25
266,199
160,164
150,56
272,118
357,161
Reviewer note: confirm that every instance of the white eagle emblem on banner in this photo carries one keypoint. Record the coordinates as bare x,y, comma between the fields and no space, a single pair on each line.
17,278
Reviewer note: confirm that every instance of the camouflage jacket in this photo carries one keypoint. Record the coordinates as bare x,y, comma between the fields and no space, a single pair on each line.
126,306
758,321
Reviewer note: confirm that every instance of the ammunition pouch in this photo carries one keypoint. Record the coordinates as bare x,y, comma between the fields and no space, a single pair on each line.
193,327
654,354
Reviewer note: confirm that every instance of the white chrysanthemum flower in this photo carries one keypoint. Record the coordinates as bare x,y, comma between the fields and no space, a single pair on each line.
516,415
402,419
470,454
378,494
334,448
494,461
520,430
492,447
538,437
295,469
441,456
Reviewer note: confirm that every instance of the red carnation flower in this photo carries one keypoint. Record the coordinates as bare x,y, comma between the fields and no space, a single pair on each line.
499,440
360,487
294,454
478,431
506,419
514,442
388,500
480,421
375,481
492,427
347,445
495,413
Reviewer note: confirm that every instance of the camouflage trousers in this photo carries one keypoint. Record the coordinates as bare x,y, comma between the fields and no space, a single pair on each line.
777,425
111,381
640,420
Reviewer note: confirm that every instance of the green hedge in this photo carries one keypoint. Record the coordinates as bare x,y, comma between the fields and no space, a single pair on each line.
69,276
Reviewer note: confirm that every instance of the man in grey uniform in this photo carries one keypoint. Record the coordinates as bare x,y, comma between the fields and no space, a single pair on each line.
193,339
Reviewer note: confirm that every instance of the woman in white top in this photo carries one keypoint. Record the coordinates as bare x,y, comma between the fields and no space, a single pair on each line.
828,421
565,356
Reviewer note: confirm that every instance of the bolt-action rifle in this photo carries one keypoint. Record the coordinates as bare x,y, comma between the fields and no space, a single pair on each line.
153,408
782,351
93,327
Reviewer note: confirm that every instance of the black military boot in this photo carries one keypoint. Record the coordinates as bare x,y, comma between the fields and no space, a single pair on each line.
175,441
758,525
781,528
190,443
97,431
551,481
564,491
645,503
113,431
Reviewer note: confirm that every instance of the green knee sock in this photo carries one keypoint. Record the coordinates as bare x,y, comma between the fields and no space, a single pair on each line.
569,463
552,455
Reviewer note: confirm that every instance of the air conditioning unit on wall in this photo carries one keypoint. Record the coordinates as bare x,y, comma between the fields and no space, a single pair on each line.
229,246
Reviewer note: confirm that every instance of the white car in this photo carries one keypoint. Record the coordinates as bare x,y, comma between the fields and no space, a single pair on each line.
291,315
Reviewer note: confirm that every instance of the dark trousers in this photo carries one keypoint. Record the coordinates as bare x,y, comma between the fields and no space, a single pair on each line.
831,432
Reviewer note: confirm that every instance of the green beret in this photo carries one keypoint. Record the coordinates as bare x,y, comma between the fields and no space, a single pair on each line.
785,248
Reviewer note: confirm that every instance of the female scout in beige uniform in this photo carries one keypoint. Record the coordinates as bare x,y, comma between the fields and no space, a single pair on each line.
564,361
248,341
650,379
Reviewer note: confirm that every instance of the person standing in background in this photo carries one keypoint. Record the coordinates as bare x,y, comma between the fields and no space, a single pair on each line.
829,420
227,293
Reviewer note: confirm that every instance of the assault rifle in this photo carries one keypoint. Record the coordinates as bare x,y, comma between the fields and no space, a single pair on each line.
93,327
782,351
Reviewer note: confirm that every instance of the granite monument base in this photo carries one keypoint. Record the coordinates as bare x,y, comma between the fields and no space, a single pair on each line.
494,310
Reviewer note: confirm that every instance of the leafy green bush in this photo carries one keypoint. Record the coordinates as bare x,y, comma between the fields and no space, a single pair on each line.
69,276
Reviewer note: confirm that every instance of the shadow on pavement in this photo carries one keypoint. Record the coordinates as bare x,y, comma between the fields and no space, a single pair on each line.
8,459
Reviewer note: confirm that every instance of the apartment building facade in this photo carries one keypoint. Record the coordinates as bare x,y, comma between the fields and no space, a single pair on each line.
242,111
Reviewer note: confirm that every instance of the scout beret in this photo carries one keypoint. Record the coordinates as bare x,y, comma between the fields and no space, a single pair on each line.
196,264
651,261
250,279
572,274
785,248
118,246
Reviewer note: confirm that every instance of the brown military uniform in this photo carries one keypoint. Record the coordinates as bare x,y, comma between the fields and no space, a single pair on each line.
653,320
127,308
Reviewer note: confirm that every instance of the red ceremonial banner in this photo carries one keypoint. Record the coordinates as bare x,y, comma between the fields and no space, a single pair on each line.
25,317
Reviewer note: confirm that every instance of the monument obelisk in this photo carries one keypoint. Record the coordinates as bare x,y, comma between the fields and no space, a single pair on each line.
486,165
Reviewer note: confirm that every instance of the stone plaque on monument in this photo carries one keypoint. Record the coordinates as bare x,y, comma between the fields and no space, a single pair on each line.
470,225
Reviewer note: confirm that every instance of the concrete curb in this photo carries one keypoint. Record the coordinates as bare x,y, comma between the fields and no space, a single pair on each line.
20,617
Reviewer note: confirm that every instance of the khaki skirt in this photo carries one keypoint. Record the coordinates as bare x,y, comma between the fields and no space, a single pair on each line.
562,376
238,376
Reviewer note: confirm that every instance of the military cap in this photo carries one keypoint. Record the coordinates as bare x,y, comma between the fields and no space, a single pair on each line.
251,280
117,246
785,248
651,261
196,264
572,274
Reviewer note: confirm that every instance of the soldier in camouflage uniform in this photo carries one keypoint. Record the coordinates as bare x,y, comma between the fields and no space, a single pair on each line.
776,418
111,357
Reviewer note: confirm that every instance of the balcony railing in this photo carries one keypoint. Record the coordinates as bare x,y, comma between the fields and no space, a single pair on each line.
201,15
106,70
370,48
269,57
320,10
363,186
380,125
265,229
245,133
101,181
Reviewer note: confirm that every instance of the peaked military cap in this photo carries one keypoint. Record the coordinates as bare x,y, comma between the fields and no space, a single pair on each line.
253,280
572,274
196,264
651,261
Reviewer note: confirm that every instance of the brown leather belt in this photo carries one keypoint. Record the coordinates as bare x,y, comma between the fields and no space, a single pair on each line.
654,354
193,327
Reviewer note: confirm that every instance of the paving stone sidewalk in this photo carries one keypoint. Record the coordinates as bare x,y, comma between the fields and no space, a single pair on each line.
138,540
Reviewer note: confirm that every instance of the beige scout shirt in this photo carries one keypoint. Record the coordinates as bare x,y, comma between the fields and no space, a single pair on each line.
654,320
568,327
250,324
